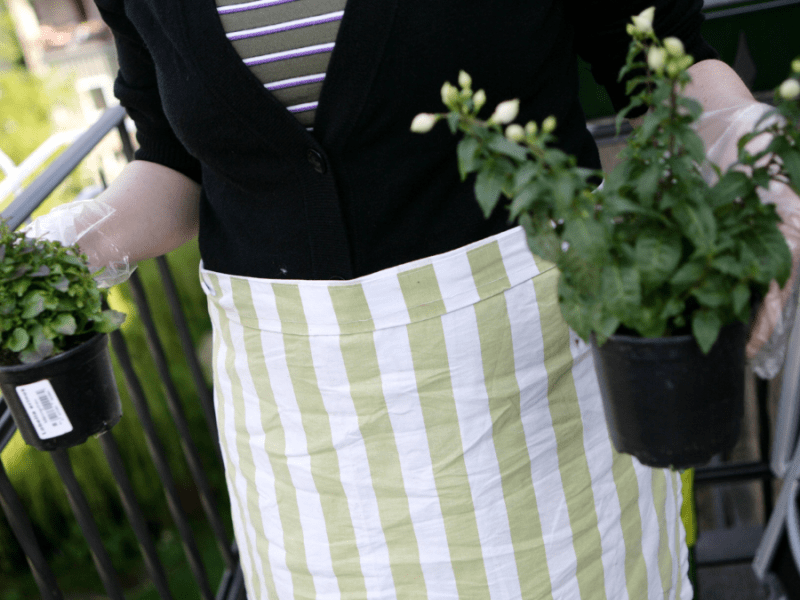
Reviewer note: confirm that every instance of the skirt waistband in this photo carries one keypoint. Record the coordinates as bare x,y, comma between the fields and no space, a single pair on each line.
397,296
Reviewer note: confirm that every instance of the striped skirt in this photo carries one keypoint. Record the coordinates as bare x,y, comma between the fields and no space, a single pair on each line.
433,430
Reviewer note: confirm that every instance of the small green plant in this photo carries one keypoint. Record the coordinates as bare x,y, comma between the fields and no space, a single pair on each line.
49,301
657,250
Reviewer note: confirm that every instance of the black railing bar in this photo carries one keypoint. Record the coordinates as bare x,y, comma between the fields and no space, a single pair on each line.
731,472
23,530
66,162
763,393
179,417
135,516
156,450
80,507
125,138
743,10
232,585
7,425
182,327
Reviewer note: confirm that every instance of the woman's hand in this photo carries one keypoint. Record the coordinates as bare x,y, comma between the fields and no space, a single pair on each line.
147,211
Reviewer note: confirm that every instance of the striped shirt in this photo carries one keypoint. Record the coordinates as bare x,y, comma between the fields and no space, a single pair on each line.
287,44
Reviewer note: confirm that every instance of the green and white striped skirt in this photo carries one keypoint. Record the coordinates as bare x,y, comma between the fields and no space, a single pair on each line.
433,430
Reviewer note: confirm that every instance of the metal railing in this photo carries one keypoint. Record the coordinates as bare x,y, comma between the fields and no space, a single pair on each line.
230,587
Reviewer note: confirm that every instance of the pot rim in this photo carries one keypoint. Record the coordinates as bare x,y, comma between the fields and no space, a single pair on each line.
53,360
666,339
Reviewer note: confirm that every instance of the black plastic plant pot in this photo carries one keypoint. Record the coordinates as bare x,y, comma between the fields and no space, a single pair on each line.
666,402
61,401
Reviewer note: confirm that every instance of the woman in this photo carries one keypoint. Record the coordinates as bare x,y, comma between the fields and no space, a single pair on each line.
402,411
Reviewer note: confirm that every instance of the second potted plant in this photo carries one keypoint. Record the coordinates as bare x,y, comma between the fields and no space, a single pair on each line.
659,269
55,370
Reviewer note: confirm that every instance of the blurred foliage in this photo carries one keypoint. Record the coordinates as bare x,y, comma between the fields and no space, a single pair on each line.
26,104
10,50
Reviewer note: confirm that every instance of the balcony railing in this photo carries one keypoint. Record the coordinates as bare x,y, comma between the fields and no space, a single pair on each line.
230,587
785,452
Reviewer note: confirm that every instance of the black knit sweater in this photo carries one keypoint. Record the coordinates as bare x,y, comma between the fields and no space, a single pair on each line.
360,193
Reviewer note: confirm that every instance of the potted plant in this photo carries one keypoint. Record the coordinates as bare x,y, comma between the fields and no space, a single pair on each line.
55,370
659,269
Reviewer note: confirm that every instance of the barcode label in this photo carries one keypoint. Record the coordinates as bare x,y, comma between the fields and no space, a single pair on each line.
44,409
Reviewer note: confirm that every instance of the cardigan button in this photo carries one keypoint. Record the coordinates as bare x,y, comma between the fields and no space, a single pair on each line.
315,160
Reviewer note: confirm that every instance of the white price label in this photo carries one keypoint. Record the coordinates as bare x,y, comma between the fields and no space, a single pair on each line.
44,409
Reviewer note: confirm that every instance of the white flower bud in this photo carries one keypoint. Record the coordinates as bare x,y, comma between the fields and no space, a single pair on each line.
549,124
643,22
449,94
656,57
423,122
479,99
531,128
790,89
796,65
505,112
515,132
464,80
674,46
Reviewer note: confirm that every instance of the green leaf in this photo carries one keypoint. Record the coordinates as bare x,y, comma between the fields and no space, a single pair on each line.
32,304
741,298
524,174
732,185
522,201
504,146
729,265
18,340
587,237
108,321
488,186
713,292
468,156
769,245
657,255
620,289
694,145
698,224
647,183
688,275
64,324
705,327
791,164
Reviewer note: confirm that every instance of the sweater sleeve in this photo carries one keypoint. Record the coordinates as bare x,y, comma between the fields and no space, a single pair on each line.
602,41
136,87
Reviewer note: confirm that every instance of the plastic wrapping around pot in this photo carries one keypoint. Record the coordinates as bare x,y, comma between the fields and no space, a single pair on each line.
666,402
60,401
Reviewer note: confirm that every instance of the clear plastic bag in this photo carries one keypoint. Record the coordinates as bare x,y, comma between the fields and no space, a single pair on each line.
721,130
80,222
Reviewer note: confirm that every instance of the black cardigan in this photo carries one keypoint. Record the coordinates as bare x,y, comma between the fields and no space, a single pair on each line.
360,193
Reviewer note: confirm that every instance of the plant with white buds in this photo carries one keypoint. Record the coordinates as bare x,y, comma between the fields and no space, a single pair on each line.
505,112
423,122
796,65
449,94
479,99
643,22
657,250
789,89
464,80
515,133
674,47
656,58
